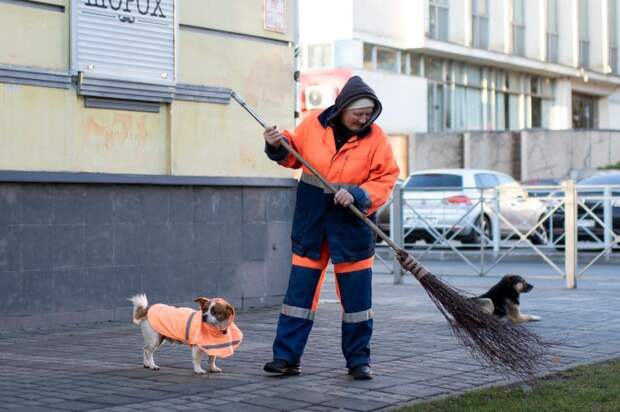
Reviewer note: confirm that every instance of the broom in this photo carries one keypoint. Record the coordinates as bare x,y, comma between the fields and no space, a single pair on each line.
507,348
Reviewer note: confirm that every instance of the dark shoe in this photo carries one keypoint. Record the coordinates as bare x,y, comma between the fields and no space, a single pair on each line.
282,366
361,372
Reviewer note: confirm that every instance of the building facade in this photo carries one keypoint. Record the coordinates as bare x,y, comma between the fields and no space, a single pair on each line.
125,167
465,65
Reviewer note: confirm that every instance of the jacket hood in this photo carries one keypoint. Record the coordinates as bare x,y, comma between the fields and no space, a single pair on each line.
355,88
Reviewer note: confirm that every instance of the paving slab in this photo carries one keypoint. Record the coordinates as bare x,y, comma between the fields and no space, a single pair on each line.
414,356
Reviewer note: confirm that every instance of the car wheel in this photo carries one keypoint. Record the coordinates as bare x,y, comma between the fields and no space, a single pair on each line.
539,237
484,225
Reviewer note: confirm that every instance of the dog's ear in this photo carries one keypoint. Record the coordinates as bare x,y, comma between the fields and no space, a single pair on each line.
203,302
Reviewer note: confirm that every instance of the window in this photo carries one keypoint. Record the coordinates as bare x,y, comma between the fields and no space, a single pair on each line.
612,10
387,59
438,19
369,59
437,113
435,180
486,180
536,120
585,113
463,96
553,36
480,24
411,64
504,179
319,55
434,68
584,37
518,27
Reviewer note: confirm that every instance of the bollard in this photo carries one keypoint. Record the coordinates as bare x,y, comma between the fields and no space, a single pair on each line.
495,224
570,232
396,229
608,221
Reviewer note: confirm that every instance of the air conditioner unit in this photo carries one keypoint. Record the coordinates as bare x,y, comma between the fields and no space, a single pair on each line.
320,96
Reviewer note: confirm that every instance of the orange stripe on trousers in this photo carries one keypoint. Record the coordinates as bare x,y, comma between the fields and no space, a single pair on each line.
320,264
347,267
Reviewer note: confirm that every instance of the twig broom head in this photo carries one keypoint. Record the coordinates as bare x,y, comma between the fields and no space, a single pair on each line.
510,349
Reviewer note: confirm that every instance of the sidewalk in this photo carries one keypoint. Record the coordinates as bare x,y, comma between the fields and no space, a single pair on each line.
99,366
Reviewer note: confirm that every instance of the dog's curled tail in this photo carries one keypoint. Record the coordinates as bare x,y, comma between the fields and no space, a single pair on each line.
140,307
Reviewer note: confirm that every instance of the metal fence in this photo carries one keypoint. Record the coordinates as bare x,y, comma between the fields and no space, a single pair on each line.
483,227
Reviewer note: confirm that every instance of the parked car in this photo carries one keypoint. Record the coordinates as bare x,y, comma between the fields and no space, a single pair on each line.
543,188
591,191
456,201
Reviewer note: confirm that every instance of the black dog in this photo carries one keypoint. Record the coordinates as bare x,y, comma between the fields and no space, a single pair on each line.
503,299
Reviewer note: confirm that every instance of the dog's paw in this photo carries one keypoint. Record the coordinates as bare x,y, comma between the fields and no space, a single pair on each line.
199,371
534,318
154,367
214,369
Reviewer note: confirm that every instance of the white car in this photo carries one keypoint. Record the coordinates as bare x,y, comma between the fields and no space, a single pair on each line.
462,203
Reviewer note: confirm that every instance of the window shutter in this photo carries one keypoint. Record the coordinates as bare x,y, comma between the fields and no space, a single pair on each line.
124,39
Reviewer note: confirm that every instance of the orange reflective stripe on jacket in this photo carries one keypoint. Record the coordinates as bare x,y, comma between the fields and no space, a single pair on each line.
366,162
185,325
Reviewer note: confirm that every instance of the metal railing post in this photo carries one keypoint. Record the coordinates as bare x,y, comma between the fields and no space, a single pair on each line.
396,229
608,220
570,233
495,224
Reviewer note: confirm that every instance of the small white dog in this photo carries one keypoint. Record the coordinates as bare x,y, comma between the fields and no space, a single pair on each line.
209,330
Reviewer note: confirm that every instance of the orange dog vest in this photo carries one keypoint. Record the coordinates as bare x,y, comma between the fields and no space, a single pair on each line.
185,325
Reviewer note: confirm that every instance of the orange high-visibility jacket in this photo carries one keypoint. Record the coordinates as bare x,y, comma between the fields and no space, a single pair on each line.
365,166
185,325
366,162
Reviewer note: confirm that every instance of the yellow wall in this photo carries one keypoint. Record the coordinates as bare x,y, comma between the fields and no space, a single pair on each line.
225,140
34,37
46,129
239,16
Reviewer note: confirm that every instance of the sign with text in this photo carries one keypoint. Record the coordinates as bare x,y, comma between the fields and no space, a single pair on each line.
124,39
275,15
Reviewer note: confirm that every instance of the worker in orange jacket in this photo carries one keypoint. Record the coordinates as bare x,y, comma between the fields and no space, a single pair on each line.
345,146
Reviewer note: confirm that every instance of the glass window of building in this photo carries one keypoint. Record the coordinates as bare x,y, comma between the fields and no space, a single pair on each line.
411,64
612,25
480,23
369,56
553,33
387,59
584,34
585,112
463,96
433,68
438,19
518,27
319,55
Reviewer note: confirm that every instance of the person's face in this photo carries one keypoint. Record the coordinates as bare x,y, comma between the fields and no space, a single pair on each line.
355,119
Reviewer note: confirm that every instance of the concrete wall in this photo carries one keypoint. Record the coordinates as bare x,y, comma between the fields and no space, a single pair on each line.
532,154
492,151
435,151
557,154
75,252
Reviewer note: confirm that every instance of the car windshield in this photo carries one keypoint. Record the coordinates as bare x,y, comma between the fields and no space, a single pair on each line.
611,179
434,181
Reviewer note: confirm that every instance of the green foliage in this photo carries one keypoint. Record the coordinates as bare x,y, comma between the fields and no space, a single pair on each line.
586,388
614,166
